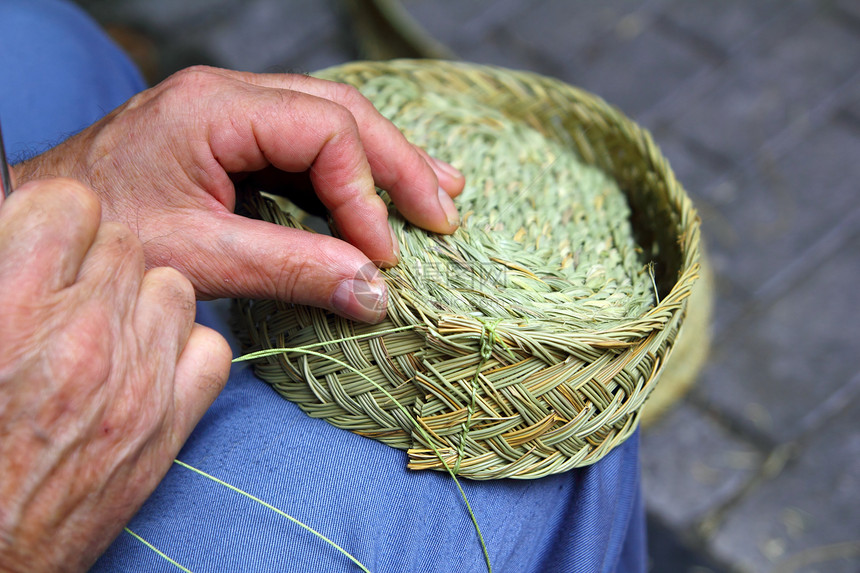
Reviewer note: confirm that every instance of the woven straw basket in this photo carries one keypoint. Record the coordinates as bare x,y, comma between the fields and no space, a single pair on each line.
494,397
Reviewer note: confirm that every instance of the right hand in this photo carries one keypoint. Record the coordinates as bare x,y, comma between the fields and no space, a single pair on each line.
164,164
103,375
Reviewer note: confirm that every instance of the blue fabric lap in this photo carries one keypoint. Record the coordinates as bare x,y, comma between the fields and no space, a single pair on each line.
359,494
351,489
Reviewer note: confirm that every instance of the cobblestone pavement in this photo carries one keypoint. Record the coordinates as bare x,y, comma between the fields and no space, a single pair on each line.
757,105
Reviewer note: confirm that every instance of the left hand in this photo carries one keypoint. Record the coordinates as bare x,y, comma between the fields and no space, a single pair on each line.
103,375
165,162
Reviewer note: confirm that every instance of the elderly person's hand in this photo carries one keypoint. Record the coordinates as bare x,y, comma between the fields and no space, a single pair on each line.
103,375
165,164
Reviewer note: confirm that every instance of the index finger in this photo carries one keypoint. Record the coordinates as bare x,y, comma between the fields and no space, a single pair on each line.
420,186
309,133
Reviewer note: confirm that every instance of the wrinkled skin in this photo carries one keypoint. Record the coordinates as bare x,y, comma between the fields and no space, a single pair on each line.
103,372
165,165
103,375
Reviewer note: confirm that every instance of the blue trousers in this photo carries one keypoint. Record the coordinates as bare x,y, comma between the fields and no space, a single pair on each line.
60,73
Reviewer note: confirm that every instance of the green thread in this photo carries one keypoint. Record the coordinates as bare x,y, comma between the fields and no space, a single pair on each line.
305,350
154,548
651,267
276,510
488,339
420,429
273,351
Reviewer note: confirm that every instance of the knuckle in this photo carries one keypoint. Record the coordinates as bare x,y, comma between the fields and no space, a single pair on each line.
194,74
65,194
286,98
348,95
80,353
343,122
225,353
77,190
138,413
195,80
396,178
173,289
197,69
121,242
213,381
343,151
117,232
215,375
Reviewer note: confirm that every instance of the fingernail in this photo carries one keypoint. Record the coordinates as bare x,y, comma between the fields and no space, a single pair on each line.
360,300
395,244
447,168
447,205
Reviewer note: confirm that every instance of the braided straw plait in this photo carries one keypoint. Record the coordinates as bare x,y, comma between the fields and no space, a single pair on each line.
536,333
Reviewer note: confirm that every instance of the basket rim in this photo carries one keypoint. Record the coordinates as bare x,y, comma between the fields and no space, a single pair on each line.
590,386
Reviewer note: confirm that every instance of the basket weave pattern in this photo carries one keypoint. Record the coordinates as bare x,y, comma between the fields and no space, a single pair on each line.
507,397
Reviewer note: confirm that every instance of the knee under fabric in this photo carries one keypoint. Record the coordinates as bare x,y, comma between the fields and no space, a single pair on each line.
61,74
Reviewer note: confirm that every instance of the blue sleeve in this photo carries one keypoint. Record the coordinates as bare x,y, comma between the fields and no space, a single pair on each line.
61,74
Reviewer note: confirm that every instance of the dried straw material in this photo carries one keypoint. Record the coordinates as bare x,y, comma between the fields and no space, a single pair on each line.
536,332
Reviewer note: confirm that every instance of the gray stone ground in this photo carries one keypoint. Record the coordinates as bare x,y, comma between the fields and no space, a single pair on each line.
757,105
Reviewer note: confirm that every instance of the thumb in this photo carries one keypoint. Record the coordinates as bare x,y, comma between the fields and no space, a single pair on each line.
234,256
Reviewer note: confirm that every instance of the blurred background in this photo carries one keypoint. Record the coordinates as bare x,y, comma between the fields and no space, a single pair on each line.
756,103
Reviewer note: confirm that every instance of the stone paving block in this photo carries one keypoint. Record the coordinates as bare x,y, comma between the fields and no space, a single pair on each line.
609,48
637,72
262,35
691,464
789,69
724,23
809,513
685,27
454,21
567,29
851,104
849,8
767,215
766,220
779,363
498,48
695,172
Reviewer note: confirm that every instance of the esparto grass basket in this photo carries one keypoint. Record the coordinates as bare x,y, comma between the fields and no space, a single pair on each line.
531,337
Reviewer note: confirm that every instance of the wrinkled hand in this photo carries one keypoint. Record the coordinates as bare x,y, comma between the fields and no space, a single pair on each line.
165,163
103,375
